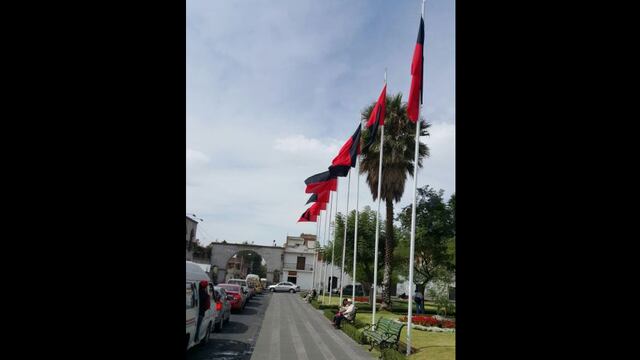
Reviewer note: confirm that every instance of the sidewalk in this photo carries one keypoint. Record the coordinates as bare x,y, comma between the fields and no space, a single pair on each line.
292,329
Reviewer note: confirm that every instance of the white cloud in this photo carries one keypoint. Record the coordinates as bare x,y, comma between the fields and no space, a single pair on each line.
196,157
301,144
274,88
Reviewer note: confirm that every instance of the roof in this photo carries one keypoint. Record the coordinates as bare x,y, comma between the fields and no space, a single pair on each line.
195,272
192,219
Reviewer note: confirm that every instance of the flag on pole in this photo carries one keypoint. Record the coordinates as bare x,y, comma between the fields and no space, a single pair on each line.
319,197
308,217
321,182
376,119
317,207
346,158
417,65
329,185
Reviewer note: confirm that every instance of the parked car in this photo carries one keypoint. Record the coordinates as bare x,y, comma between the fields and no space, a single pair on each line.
239,298
243,283
195,274
223,307
348,290
284,286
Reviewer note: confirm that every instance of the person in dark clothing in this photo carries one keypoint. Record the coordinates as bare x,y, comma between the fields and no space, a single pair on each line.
204,304
419,299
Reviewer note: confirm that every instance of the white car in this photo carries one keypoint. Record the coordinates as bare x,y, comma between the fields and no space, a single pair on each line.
194,275
284,286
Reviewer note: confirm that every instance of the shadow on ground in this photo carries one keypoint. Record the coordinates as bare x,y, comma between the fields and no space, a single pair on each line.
234,327
220,349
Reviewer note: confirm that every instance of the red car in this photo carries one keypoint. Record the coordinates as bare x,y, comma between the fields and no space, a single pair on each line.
239,299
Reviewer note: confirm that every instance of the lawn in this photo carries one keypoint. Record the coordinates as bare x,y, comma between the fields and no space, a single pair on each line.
429,345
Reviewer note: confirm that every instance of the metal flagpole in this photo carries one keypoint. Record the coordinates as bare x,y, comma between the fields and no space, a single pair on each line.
344,242
321,280
413,208
324,290
333,246
375,254
355,230
315,254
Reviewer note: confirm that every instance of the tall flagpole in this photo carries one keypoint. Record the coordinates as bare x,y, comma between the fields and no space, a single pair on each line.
413,208
333,245
326,242
322,269
315,254
355,230
375,256
344,242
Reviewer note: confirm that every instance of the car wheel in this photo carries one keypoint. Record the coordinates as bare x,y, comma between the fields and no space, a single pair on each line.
292,291
228,317
272,289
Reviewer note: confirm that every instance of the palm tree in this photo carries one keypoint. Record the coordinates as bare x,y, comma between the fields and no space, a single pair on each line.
397,163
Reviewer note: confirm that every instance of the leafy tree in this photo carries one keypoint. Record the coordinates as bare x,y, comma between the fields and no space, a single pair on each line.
397,163
435,236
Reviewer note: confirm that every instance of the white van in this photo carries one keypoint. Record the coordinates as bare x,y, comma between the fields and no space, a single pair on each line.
194,275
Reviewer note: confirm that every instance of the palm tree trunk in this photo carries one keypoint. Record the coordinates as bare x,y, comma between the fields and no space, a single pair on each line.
388,255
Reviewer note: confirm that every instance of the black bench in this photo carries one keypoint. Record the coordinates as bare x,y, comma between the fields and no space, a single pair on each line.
385,334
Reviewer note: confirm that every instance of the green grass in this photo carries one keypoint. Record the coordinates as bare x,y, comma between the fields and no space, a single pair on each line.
429,345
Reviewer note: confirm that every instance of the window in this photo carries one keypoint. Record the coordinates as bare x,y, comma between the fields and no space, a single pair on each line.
300,264
192,300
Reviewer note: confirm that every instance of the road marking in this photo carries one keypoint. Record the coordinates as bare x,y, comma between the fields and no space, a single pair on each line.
274,325
295,334
324,349
345,346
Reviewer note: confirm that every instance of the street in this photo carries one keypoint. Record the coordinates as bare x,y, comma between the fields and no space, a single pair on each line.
292,329
238,337
279,326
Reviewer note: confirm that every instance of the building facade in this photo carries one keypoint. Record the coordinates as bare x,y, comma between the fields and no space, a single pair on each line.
298,260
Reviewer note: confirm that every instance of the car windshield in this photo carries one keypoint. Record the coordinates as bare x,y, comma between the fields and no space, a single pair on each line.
230,287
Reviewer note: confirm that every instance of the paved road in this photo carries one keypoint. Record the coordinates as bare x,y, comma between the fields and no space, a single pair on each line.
292,329
238,337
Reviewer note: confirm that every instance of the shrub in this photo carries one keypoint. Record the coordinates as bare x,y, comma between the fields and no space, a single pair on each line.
430,321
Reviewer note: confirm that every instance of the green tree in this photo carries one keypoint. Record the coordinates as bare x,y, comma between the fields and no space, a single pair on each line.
397,163
366,236
435,236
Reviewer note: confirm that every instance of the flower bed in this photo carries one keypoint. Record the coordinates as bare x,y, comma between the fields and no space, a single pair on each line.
430,321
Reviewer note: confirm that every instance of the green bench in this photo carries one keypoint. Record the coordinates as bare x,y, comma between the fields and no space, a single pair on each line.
385,334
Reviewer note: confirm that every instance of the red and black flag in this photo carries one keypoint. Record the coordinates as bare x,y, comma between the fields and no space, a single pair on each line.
376,119
321,197
307,216
318,183
329,185
347,156
417,65
317,207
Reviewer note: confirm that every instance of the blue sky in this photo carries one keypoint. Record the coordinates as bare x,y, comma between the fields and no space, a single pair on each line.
275,87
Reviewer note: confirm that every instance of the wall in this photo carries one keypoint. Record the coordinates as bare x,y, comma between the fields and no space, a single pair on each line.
221,253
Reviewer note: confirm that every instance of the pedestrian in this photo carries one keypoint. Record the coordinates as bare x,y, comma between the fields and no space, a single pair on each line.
419,299
345,312
204,304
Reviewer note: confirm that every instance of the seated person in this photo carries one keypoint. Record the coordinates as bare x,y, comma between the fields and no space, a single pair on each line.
345,312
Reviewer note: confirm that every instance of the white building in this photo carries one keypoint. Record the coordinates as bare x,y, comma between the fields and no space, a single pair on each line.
298,260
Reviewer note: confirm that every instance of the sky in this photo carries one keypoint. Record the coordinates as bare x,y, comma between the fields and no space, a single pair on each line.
274,88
